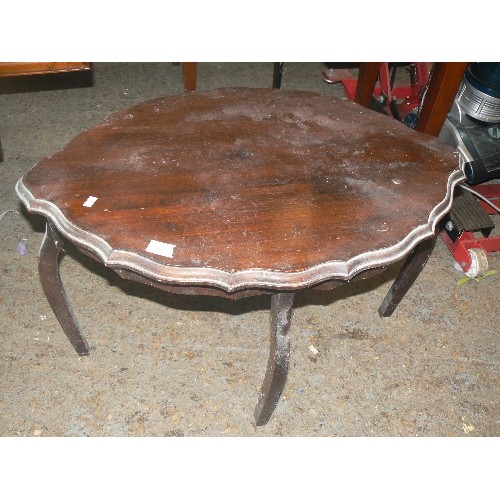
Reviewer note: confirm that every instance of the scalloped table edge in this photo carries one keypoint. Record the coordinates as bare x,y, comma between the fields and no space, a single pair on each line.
238,280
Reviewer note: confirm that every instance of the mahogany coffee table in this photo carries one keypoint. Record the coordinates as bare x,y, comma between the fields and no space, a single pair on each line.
240,192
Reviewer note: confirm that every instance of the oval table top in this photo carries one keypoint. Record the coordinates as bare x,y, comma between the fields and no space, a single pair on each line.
246,188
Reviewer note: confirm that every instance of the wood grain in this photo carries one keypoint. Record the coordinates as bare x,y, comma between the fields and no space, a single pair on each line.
256,188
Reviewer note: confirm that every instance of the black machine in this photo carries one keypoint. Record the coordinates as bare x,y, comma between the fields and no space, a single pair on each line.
473,128
473,124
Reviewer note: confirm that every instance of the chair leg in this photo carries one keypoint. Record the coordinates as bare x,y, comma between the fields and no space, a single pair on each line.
407,276
277,366
48,269
367,79
190,72
277,75
443,86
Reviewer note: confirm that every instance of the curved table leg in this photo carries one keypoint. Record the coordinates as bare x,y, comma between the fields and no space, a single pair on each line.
277,366
48,269
407,276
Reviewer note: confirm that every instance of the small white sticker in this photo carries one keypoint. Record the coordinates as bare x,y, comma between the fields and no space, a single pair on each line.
313,350
90,201
160,248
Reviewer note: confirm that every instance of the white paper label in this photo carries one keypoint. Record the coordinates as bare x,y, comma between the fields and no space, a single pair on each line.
313,350
160,248
90,201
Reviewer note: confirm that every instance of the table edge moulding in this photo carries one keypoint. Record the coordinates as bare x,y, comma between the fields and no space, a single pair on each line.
255,278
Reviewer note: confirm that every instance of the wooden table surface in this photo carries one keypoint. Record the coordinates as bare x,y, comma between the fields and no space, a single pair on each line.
246,188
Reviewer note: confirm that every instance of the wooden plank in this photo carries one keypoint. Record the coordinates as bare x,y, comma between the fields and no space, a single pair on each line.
41,68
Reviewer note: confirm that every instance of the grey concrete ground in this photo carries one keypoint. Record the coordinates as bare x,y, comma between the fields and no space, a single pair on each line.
166,365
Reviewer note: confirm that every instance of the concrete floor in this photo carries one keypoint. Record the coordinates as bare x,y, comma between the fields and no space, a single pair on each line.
167,365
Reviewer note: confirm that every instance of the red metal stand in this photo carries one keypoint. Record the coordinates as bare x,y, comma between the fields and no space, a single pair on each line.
470,251
409,96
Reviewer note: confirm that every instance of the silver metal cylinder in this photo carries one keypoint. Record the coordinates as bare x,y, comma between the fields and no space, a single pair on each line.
477,104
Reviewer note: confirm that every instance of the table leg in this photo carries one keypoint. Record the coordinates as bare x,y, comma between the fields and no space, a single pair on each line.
48,269
407,276
277,366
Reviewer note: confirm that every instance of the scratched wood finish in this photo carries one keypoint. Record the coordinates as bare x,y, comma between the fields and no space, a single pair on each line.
260,188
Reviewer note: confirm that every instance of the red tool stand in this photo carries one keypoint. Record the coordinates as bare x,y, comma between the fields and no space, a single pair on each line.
399,101
470,251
